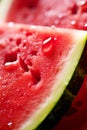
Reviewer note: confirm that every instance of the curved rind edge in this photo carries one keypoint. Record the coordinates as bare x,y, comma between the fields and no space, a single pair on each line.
60,86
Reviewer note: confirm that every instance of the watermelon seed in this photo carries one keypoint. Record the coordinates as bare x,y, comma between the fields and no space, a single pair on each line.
47,45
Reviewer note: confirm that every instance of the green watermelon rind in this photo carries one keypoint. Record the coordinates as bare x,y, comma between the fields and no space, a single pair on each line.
64,77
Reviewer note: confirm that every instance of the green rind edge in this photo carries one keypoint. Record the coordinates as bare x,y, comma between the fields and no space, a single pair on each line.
64,79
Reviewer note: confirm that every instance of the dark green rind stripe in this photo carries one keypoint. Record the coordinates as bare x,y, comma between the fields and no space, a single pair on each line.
58,111
69,94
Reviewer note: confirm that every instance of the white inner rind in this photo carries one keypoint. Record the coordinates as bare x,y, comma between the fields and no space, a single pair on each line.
4,8
61,82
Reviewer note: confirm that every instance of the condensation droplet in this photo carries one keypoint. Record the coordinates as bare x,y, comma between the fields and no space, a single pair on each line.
48,45
10,124
73,22
83,2
85,26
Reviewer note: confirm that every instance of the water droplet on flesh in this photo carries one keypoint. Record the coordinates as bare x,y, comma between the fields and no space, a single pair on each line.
74,23
83,2
48,45
10,124
85,26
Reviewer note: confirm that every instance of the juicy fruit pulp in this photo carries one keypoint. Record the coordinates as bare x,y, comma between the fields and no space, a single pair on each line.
32,76
66,14
70,13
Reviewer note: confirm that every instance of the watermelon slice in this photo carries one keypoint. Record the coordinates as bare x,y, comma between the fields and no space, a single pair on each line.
36,64
66,14
76,117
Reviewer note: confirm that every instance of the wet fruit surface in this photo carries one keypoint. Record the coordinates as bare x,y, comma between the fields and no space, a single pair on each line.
24,55
29,62
67,14
48,45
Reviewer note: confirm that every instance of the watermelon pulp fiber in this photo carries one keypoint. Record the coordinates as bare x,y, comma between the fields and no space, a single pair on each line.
66,14
27,54
71,14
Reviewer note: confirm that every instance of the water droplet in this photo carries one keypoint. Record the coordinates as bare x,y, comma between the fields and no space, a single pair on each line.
83,2
85,26
10,124
74,23
48,45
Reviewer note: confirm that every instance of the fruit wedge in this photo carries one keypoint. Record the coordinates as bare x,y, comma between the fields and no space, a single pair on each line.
36,64
67,14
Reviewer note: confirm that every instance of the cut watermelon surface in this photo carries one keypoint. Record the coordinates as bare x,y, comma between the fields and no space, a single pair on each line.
36,64
66,14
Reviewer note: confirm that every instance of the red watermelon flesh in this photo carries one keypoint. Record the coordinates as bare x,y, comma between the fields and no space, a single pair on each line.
64,13
76,117
31,58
